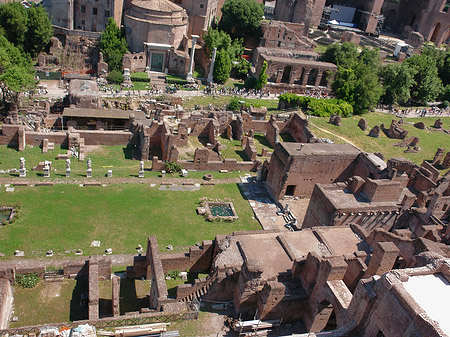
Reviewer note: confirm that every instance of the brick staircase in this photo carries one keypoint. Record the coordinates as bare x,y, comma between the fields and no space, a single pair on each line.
198,293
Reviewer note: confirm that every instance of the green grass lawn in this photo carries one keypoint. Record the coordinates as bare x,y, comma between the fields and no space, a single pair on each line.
429,140
68,217
48,302
104,158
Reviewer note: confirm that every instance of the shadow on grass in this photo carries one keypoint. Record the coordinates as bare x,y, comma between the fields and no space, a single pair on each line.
79,301
242,154
262,140
287,138
128,297
128,151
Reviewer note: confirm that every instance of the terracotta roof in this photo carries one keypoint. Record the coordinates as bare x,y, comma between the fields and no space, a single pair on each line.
157,5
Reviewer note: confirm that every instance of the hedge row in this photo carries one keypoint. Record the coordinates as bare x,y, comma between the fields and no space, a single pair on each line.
176,81
316,106
139,79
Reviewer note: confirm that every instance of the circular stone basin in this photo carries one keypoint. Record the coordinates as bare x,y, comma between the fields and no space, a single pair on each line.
208,177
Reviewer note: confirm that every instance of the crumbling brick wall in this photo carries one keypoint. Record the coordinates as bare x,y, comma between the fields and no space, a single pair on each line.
6,299
155,272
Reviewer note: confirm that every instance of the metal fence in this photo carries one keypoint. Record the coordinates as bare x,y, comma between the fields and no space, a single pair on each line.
110,322
48,75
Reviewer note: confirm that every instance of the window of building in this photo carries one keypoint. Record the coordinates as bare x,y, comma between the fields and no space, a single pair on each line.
107,14
83,9
83,22
290,190
108,2
202,6
94,11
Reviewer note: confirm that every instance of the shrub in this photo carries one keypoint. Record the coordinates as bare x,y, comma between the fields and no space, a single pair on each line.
172,166
250,83
30,280
115,76
174,274
234,104
316,107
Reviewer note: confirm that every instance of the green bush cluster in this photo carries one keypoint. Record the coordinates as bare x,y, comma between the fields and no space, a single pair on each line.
115,76
174,274
317,107
30,280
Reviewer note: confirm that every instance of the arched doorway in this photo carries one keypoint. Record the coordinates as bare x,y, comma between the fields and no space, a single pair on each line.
286,74
325,320
437,28
324,79
312,77
390,19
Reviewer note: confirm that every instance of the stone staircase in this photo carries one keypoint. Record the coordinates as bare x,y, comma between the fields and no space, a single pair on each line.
158,79
198,293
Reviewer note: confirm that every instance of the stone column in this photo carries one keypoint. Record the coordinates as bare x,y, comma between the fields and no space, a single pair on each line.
191,65
211,69
70,14
318,78
305,77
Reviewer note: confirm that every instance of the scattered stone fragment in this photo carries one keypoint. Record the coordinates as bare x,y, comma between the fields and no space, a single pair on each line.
95,243
108,251
169,247
79,252
19,253
49,253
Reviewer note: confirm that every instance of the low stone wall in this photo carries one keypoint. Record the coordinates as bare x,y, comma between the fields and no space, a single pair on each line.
81,268
229,164
184,290
198,259
6,298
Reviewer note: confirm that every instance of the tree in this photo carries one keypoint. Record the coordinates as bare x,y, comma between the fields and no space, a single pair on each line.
397,82
341,54
222,67
113,45
13,20
39,30
219,39
16,71
356,80
241,18
428,85
262,78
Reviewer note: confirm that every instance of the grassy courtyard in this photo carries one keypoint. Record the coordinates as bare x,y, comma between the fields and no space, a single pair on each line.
104,158
430,140
68,217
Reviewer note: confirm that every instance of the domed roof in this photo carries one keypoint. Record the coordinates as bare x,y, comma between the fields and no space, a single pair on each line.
157,5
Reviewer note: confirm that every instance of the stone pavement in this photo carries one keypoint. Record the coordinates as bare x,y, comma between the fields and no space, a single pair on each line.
263,206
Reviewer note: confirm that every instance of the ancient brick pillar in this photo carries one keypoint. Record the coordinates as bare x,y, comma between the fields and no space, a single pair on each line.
305,76
383,259
318,77
115,295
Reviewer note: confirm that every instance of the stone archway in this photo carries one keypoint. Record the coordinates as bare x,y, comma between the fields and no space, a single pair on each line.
324,79
389,21
435,34
286,74
312,77
444,38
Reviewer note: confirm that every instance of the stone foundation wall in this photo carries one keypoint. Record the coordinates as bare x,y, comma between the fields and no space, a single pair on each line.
6,299
229,164
10,135
93,308
81,268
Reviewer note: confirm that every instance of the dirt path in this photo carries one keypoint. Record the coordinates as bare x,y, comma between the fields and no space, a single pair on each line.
332,133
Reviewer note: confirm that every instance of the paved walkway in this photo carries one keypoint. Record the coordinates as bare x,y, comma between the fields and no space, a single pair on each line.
263,206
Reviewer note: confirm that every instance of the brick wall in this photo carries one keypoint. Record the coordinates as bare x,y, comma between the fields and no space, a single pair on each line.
155,272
